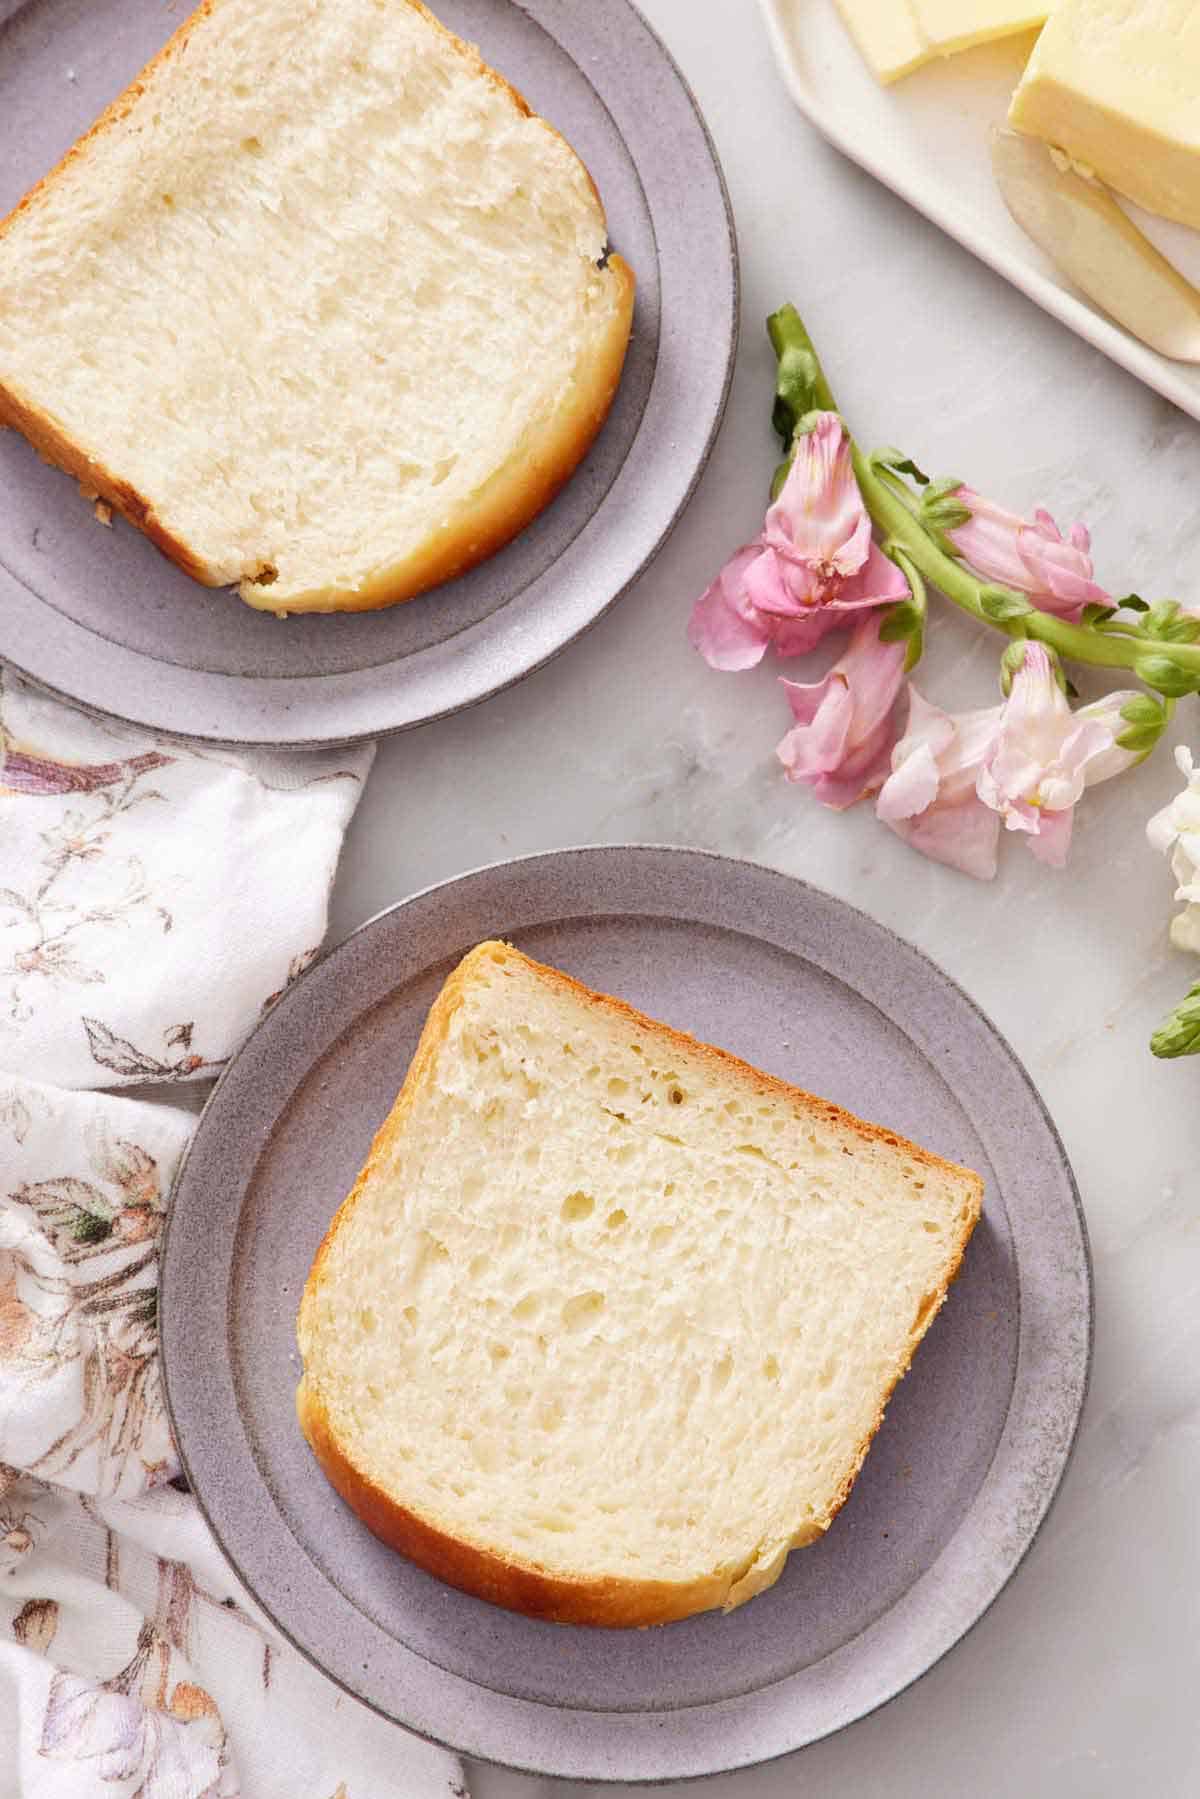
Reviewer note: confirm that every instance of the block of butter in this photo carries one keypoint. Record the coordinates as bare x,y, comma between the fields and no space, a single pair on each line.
897,36
1116,84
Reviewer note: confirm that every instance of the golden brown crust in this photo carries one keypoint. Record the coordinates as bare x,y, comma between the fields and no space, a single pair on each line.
526,1586
51,442
113,113
544,461
48,437
473,1567
767,1085
511,498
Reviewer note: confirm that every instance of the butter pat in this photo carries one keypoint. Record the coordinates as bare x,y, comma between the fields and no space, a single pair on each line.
897,36
1116,85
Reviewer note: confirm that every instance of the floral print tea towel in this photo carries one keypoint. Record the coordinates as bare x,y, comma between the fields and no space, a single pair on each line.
154,896
132,1664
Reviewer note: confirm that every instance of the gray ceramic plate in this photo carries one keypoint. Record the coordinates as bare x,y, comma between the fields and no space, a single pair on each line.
100,617
957,1482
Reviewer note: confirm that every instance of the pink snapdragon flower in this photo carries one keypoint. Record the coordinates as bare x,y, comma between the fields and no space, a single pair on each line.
1025,764
1053,571
841,742
813,565
1045,755
931,799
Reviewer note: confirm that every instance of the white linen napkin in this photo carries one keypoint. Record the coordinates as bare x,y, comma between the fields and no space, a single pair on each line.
153,899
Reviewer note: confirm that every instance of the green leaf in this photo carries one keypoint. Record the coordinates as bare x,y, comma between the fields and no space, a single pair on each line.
88,1227
1001,605
916,648
942,510
1011,663
901,621
1096,615
1168,624
1165,675
1146,718
799,383
1132,602
1179,1032
1140,739
905,623
940,489
900,464
1144,709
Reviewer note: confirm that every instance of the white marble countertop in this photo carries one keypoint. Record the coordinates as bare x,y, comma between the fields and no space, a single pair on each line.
1082,1679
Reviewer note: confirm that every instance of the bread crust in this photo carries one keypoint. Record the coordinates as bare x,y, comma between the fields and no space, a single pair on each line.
525,1585
509,500
48,436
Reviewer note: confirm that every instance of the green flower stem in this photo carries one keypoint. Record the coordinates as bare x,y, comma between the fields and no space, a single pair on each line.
896,521
802,387
790,341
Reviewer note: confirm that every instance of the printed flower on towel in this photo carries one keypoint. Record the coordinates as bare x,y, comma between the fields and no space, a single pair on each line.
78,1294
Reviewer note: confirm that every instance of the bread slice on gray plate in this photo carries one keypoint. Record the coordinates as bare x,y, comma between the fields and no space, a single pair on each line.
609,1320
318,303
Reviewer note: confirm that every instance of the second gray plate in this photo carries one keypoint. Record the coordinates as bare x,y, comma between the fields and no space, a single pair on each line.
101,618
957,1482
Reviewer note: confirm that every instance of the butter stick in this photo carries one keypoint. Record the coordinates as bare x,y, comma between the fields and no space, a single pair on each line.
897,36
1116,85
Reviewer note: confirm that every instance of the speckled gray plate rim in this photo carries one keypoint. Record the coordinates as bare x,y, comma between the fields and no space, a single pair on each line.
957,1482
100,618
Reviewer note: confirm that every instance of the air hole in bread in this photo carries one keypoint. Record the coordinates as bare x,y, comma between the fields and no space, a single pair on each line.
577,1206
582,1310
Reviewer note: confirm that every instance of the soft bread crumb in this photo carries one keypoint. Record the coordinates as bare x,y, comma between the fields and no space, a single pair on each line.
609,1320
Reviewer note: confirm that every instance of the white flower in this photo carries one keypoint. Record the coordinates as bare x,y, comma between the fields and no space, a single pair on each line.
1176,832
